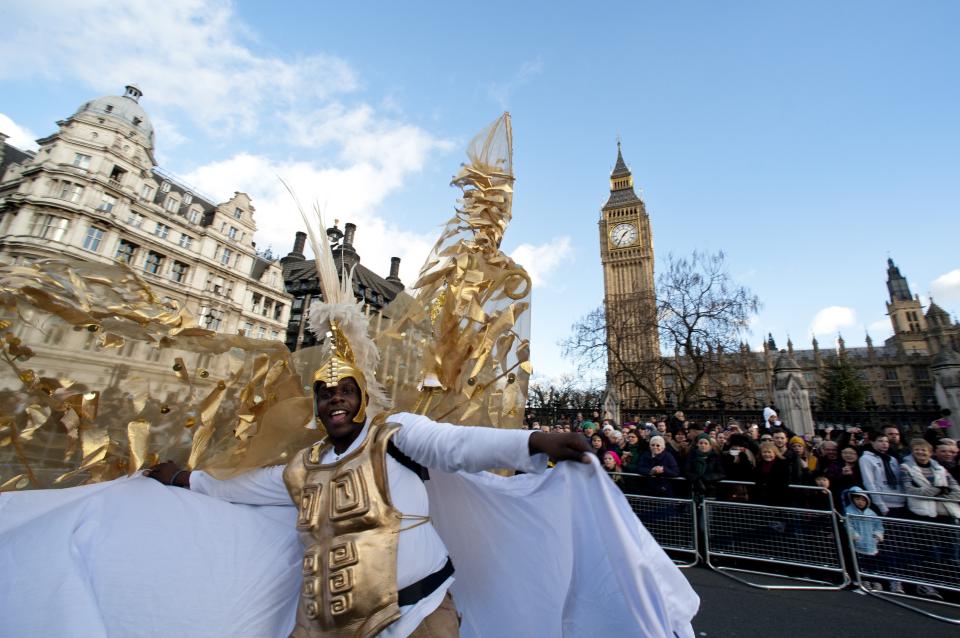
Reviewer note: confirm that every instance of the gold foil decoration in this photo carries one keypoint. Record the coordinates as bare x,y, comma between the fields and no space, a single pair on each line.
470,306
110,384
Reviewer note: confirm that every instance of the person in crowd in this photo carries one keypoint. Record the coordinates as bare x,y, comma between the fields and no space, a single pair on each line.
808,460
677,445
849,472
677,421
632,451
866,532
770,418
597,445
828,455
822,500
612,465
661,426
753,430
660,466
895,438
780,439
921,475
880,472
703,467
946,455
589,429
772,476
738,465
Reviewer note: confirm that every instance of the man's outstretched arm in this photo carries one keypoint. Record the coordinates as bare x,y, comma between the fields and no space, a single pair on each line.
457,447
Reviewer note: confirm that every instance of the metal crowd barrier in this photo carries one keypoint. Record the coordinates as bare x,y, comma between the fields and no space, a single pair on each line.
913,553
671,521
790,543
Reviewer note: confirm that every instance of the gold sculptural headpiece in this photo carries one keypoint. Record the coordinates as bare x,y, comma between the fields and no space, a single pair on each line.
339,363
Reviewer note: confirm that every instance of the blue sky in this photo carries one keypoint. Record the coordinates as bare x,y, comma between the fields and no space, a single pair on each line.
809,141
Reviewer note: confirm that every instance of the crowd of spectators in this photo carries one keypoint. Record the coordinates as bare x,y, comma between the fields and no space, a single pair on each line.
866,474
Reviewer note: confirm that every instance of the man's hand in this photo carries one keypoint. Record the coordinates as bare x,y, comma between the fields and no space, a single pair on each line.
560,446
169,473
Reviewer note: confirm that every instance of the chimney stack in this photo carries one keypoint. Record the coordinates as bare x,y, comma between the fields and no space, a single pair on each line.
299,242
349,230
394,270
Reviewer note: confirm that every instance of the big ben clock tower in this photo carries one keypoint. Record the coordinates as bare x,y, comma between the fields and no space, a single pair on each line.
629,297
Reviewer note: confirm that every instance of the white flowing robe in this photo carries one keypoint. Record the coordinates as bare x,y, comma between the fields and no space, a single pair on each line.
555,554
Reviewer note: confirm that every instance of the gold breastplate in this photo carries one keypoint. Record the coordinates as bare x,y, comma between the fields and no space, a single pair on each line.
350,529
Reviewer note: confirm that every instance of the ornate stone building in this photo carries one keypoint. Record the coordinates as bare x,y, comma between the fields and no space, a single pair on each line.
626,253
900,373
93,191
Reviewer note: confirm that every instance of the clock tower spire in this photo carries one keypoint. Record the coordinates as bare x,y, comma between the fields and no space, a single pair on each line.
626,252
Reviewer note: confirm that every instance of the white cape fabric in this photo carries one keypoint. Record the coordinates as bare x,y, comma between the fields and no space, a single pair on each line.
557,554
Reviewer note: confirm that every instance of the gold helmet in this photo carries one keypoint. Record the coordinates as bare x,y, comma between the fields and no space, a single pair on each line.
339,363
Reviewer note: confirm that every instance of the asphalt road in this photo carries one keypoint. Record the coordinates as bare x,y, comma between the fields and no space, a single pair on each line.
729,609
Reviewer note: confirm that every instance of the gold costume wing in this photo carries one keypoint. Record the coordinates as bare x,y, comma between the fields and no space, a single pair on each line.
457,347
101,378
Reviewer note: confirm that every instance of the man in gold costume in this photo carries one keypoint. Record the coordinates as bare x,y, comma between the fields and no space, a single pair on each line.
373,563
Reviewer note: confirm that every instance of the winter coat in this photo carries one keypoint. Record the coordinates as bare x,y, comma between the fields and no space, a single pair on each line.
875,480
704,482
864,526
658,484
772,485
913,482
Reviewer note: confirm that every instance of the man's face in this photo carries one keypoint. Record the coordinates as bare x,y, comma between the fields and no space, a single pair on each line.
780,439
882,444
337,407
893,434
946,453
632,438
830,450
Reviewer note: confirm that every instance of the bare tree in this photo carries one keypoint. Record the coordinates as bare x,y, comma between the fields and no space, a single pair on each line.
700,316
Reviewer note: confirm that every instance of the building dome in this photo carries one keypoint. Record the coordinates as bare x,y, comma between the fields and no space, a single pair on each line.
124,107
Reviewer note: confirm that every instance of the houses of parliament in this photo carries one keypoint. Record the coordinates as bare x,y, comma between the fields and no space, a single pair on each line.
897,372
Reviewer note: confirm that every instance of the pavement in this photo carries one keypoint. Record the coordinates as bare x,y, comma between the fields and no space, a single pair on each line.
729,609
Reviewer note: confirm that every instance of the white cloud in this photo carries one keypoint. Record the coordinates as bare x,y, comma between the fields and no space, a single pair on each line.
199,68
186,54
21,137
831,320
541,259
349,194
946,286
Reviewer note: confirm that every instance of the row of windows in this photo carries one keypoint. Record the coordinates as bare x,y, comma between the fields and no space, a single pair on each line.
259,332
266,306
153,263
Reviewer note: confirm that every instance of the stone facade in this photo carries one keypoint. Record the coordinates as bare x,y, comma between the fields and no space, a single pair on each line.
899,373
93,191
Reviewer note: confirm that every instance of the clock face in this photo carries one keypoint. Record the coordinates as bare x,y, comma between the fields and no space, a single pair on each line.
623,235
